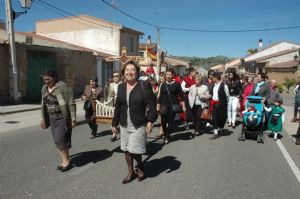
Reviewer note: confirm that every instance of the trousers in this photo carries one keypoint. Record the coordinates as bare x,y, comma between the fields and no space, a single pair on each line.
232,108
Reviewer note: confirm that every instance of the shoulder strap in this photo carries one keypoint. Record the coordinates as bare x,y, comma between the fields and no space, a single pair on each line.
169,94
143,89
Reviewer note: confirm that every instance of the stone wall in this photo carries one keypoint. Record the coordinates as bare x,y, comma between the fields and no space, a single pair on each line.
280,75
4,74
75,68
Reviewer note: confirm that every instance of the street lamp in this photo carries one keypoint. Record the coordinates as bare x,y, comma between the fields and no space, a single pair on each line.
26,4
10,16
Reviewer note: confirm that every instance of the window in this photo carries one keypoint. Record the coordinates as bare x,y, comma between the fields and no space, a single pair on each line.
130,44
141,54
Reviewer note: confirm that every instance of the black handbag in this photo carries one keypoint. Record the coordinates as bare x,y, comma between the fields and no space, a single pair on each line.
147,103
88,106
176,108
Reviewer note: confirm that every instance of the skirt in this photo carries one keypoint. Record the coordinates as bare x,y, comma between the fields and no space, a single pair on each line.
61,135
133,139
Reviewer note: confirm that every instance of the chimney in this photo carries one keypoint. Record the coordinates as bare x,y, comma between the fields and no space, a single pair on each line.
260,44
149,40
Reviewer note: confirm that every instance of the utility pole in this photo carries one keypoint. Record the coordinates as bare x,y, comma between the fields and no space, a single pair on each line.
158,51
14,90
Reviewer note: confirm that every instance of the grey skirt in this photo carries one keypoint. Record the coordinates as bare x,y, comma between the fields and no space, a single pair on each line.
61,135
133,139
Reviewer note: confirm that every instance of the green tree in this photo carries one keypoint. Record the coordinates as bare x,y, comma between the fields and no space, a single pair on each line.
288,83
252,51
206,62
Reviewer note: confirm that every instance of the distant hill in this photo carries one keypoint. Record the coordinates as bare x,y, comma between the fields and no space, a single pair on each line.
206,62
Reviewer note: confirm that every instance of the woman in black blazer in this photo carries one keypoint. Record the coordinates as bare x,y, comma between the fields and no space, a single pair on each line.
135,112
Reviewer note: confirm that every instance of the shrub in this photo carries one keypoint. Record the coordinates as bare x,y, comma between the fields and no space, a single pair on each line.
288,83
280,88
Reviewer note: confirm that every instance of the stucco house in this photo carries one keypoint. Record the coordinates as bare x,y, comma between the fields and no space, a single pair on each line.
253,64
35,54
95,34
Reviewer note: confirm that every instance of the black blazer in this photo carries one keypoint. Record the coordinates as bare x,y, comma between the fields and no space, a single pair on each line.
140,98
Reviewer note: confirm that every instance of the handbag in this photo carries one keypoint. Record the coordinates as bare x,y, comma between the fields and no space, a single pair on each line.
147,103
88,106
205,114
176,108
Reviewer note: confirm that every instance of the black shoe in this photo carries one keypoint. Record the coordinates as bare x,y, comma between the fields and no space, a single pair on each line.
140,172
194,134
129,178
59,167
66,168
214,136
114,138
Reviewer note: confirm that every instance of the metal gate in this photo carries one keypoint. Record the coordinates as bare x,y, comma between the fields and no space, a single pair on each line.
36,66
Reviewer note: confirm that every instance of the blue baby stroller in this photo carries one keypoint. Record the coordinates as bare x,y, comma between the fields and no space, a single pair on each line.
253,119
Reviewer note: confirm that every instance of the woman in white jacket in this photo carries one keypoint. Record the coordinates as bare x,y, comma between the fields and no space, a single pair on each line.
198,99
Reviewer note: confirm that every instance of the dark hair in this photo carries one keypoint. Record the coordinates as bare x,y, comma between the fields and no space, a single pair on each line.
210,72
132,63
50,73
142,73
263,75
234,75
171,70
94,78
191,70
217,75
279,100
163,74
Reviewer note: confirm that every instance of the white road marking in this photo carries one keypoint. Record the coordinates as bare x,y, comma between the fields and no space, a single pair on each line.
290,161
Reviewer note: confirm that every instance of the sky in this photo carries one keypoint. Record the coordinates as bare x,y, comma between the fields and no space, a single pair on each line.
212,15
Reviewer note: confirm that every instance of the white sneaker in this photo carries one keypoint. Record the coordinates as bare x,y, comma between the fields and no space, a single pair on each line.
208,124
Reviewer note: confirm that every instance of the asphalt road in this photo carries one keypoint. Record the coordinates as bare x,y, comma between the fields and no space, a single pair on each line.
186,168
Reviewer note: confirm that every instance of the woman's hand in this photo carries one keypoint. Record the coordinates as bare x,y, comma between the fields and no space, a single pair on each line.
73,124
42,124
84,97
183,106
149,127
114,130
158,107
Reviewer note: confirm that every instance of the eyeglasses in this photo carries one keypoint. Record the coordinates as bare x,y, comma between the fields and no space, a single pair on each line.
115,75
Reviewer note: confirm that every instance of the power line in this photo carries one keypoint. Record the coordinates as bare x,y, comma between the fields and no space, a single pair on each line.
128,15
69,15
231,31
201,30
51,9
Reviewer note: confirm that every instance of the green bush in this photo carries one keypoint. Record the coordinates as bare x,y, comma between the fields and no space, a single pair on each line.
280,88
288,83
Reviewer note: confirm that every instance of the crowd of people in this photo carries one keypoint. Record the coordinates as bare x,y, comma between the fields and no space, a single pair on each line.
202,103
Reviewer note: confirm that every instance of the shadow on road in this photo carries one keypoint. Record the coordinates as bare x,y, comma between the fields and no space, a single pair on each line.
84,158
166,164
181,136
226,132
